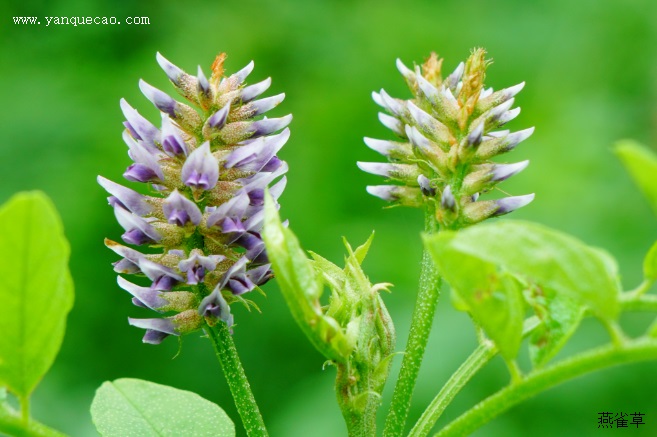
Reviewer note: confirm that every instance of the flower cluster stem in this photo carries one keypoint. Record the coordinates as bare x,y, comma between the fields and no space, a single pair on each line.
240,388
452,387
423,315
543,379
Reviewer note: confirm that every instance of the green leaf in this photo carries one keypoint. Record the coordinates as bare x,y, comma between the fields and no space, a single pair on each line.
547,258
492,296
301,287
133,407
641,163
650,264
36,291
559,318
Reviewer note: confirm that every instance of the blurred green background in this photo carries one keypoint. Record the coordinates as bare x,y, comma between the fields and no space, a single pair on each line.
591,73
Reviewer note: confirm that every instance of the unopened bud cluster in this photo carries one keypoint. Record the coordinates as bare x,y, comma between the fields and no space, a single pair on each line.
207,165
448,134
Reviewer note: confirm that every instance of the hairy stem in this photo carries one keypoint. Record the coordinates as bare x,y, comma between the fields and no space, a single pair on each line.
360,422
246,405
542,379
12,423
425,308
452,387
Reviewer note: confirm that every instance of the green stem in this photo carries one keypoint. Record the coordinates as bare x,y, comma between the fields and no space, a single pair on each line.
642,288
543,379
12,423
25,409
632,302
423,314
361,422
246,405
452,387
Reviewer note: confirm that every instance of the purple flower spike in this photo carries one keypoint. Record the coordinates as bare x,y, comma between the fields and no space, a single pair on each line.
160,99
156,329
138,231
180,210
130,199
146,296
172,141
254,156
201,169
207,167
215,307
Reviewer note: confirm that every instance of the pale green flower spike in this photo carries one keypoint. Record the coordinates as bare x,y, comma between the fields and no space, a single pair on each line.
448,134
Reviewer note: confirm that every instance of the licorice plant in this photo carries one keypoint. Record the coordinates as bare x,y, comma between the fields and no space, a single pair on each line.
204,231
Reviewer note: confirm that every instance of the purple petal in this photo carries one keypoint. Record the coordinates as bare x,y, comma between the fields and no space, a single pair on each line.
254,156
163,277
447,200
130,199
243,73
508,204
173,72
272,165
126,266
215,307
156,329
504,171
180,210
392,123
252,91
261,274
203,85
218,119
147,296
197,265
233,208
160,99
201,169
164,283
267,126
135,226
263,105
144,129
172,142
